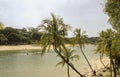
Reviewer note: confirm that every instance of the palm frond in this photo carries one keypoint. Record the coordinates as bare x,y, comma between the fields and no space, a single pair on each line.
75,57
61,63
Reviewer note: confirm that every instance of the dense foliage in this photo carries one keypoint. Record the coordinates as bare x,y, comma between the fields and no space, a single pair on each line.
30,35
109,40
112,8
14,36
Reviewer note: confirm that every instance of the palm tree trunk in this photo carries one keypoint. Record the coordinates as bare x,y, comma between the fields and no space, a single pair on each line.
102,61
68,71
62,57
114,68
112,64
117,65
87,61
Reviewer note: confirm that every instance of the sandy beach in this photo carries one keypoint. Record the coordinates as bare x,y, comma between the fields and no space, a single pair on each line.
19,47
98,65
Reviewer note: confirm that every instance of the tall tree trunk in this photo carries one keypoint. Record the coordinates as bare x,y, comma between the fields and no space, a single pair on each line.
112,64
68,71
114,68
62,57
117,64
87,61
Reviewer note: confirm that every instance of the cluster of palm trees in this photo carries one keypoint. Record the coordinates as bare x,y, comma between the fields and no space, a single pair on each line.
54,32
109,44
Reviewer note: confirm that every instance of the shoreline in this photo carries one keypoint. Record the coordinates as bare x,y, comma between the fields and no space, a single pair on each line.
19,47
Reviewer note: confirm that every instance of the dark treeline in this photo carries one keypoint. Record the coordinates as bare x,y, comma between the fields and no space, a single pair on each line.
90,40
14,36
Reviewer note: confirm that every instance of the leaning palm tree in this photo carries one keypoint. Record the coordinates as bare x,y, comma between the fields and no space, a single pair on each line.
100,49
81,39
69,56
54,30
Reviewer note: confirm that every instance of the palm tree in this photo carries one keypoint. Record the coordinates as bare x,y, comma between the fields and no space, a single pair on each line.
69,56
116,49
105,45
54,30
100,49
81,39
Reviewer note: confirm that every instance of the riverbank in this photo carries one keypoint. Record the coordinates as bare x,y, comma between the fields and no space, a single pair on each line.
22,47
19,47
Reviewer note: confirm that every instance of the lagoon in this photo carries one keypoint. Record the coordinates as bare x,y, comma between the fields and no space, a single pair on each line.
32,64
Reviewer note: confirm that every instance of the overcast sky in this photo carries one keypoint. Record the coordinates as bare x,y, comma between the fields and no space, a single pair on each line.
85,14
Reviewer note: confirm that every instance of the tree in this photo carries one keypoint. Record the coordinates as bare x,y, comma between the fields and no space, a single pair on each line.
116,50
36,36
100,50
105,47
3,39
112,8
54,31
81,39
14,38
69,56
8,30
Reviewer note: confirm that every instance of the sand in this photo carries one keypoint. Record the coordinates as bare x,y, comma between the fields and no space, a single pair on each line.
19,47
98,65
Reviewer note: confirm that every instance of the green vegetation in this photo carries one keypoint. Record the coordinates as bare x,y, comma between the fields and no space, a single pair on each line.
105,44
81,40
30,35
112,8
109,40
69,56
53,33
13,36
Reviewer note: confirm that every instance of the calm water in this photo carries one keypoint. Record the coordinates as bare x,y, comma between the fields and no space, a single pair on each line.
23,64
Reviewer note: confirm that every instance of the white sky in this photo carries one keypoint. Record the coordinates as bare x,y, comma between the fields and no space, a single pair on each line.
85,14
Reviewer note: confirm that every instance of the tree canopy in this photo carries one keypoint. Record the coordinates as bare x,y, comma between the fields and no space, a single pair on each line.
9,35
112,8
